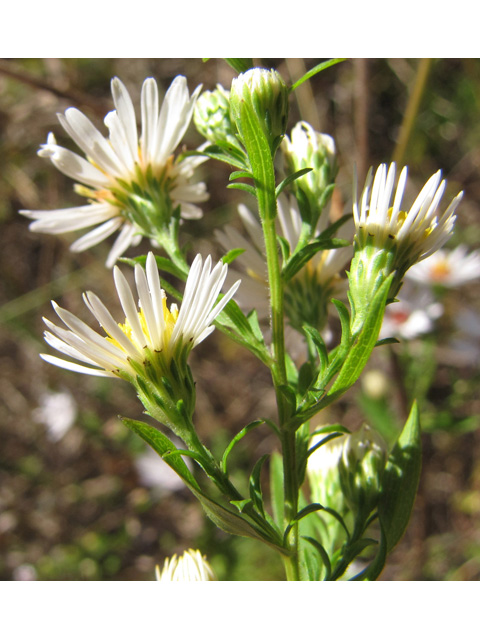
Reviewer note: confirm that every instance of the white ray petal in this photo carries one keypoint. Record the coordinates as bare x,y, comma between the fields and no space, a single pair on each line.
129,307
96,236
126,114
78,368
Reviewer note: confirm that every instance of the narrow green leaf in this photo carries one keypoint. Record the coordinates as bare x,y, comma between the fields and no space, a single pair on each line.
303,513
375,568
289,179
300,258
384,341
360,351
320,67
255,485
235,175
215,152
241,434
164,447
400,480
232,255
323,555
241,186
240,65
252,318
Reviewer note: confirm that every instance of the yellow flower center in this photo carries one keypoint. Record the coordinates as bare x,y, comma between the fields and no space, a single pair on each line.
170,317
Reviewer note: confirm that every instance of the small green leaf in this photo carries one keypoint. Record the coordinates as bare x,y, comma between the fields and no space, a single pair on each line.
320,67
241,434
240,65
303,513
255,486
252,318
243,187
381,343
232,255
323,555
289,179
300,258
400,481
241,504
235,175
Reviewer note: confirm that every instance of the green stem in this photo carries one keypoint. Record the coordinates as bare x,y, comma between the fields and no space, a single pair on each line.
292,567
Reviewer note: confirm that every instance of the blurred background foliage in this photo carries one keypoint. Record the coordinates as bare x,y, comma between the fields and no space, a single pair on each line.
80,498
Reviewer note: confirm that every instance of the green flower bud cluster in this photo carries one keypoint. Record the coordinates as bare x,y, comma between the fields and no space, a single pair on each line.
309,149
265,95
212,116
361,468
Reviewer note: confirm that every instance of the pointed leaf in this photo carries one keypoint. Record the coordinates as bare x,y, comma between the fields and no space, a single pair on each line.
400,481
289,179
164,447
360,351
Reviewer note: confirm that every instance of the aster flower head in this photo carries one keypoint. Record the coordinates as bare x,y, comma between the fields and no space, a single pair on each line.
152,335
190,567
414,234
390,239
133,182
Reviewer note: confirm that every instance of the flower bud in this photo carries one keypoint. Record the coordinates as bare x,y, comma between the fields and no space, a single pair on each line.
362,464
324,480
308,148
212,116
265,94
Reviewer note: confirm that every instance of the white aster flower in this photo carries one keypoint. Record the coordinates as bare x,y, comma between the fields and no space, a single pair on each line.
448,268
152,334
191,567
416,233
125,174
412,316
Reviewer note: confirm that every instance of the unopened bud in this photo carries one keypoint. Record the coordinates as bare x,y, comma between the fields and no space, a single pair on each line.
212,116
309,149
266,95
361,469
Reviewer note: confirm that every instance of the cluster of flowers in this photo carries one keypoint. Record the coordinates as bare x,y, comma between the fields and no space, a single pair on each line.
135,185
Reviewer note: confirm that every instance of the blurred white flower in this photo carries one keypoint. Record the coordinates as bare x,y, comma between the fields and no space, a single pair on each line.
155,473
57,411
413,315
25,572
447,268
125,169
191,567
